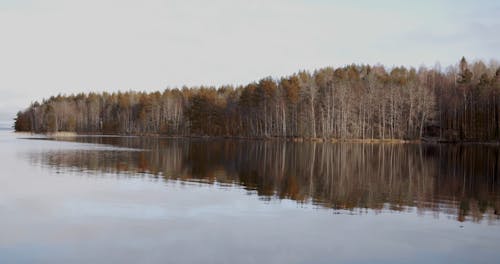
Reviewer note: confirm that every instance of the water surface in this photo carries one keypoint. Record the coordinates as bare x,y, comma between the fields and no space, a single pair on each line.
131,199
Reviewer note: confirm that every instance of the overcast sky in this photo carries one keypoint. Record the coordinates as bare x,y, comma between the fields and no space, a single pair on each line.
61,46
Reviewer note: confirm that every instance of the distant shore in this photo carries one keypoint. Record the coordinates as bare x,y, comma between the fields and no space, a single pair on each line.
67,134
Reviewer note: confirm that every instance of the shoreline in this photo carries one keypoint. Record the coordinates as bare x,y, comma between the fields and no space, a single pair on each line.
67,134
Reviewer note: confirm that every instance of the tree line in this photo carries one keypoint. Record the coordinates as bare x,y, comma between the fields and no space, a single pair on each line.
350,102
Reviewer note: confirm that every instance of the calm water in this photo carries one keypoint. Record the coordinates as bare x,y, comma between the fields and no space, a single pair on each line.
133,200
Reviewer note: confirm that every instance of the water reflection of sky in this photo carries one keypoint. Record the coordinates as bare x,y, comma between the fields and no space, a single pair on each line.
96,217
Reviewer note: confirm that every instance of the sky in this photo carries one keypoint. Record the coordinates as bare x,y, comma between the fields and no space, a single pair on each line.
55,47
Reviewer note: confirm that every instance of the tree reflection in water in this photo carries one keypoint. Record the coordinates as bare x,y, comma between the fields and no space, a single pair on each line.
459,180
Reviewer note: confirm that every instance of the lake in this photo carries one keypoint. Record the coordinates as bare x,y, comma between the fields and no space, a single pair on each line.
98,199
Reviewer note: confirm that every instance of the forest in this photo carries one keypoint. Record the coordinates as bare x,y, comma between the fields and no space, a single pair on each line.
459,103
